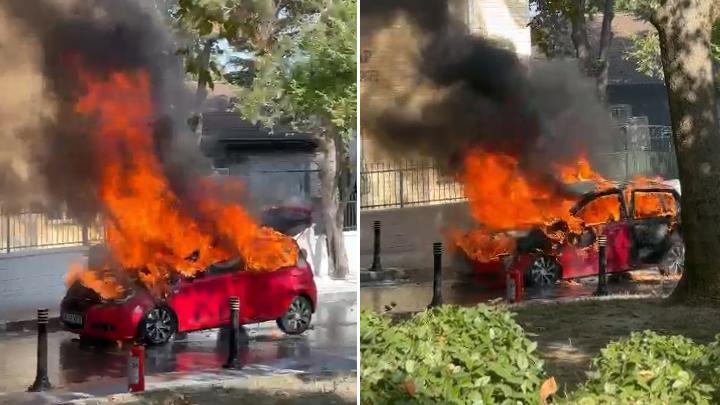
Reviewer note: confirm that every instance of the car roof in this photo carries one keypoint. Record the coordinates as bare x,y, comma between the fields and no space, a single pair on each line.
612,187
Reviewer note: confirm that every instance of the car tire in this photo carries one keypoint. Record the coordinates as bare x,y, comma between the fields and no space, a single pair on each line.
673,261
297,318
158,326
543,271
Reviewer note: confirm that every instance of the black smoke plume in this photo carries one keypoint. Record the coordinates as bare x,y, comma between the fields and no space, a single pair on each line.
47,154
440,91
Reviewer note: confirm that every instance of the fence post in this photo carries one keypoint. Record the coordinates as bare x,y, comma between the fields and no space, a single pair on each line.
85,239
402,182
7,232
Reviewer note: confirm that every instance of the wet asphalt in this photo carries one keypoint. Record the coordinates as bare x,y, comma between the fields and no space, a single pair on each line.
329,346
416,295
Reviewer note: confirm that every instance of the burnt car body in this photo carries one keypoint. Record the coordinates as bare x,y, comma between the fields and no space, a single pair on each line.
635,238
287,295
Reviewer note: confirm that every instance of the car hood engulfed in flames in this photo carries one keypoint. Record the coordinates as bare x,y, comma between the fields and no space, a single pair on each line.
153,233
511,209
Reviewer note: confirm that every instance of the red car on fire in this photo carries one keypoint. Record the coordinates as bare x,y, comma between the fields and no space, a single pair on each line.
288,296
640,220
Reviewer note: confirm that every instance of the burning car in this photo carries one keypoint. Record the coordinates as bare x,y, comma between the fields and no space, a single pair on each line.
287,295
640,219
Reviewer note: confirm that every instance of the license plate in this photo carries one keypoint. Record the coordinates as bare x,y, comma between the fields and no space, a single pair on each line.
72,318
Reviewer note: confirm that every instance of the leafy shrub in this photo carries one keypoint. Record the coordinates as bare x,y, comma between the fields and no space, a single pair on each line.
648,368
448,355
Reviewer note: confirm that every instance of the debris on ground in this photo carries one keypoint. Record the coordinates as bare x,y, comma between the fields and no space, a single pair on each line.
592,324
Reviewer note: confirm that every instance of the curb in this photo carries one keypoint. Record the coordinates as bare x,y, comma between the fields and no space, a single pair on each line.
54,323
248,379
318,383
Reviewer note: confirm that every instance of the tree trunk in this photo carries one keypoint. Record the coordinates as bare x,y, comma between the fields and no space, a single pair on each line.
579,36
684,31
606,37
330,172
204,66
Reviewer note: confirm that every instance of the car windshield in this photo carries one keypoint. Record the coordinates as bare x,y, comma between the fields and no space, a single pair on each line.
601,210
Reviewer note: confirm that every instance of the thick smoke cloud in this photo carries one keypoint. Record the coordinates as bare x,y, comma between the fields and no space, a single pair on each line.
438,91
46,154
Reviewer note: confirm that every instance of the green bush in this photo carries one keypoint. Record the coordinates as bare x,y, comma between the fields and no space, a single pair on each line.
448,355
480,355
648,368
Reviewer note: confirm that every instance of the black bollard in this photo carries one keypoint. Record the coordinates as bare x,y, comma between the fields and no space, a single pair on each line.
376,266
602,288
437,275
42,382
232,361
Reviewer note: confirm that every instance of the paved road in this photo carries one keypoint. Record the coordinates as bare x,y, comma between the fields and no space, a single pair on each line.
330,346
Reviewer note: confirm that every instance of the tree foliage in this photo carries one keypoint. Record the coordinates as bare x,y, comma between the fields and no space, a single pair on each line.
309,78
297,69
645,51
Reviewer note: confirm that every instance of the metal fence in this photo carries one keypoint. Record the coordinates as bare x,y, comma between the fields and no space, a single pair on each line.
385,184
35,230
639,150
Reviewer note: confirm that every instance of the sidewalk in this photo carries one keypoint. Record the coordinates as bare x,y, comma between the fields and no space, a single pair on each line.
217,386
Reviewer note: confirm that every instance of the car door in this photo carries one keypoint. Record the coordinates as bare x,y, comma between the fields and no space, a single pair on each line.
201,302
653,213
265,293
600,213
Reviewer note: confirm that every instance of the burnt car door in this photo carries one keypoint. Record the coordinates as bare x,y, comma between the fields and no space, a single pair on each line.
600,212
654,218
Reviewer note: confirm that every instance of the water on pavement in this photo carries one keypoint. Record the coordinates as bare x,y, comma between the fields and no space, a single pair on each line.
415,296
329,346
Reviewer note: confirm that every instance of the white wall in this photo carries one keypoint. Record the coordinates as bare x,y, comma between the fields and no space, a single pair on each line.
352,245
502,19
33,279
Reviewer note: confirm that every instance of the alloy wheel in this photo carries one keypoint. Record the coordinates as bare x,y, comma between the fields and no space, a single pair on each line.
297,319
544,271
159,326
675,259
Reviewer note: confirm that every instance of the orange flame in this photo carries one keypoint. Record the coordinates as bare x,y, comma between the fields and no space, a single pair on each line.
150,231
502,198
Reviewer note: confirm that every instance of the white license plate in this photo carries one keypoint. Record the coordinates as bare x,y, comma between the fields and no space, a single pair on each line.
75,319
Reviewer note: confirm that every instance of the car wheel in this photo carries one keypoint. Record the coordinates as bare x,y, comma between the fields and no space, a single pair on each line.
673,262
544,271
158,327
297,318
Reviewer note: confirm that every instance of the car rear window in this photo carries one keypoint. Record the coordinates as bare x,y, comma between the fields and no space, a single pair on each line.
652,204
601,210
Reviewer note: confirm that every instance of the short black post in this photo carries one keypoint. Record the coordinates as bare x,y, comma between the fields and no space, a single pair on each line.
232,361
602,288
42,382
437,275
376,266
